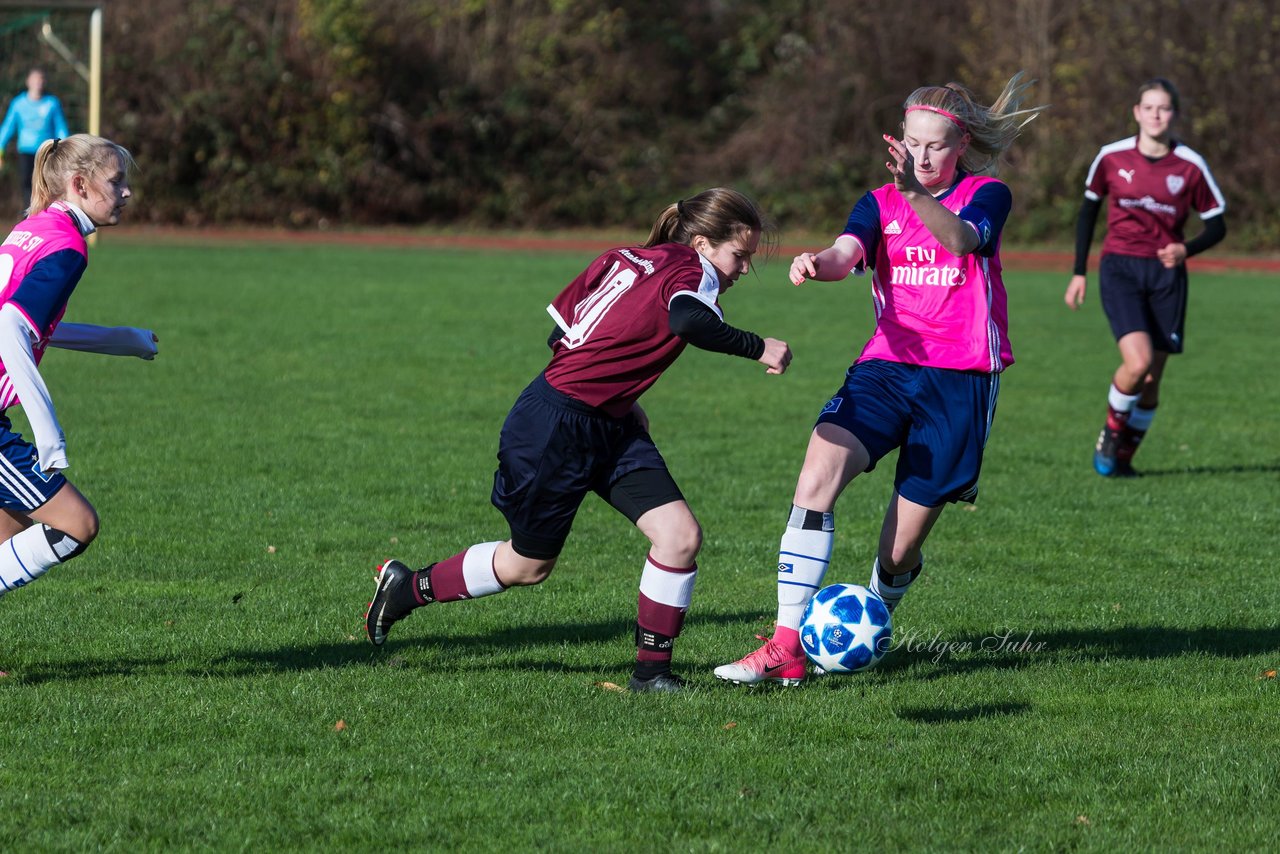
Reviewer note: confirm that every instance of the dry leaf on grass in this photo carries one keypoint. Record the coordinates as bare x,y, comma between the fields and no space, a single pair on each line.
730,725
340,726
610,686
1268,674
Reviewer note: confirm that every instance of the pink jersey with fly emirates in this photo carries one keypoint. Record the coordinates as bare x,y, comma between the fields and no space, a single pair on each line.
932,308
32,240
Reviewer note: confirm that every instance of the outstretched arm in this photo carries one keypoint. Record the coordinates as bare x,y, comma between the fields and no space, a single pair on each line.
108,340
696,323
831,264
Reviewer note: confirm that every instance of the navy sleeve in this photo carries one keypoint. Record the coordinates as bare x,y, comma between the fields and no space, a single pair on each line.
864,224
1215,228
45,289
987,212
692,320
1085,223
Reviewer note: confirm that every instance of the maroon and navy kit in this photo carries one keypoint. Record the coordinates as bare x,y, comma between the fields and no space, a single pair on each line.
1150,200
619,325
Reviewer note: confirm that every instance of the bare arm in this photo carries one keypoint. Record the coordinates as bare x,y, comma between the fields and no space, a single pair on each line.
829,265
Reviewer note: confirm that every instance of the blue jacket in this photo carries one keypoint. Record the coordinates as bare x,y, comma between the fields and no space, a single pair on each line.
34,122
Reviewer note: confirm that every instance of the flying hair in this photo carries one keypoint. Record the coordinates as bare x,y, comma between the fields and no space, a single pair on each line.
991,129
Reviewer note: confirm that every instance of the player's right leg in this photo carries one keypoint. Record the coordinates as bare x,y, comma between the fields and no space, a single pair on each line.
834,457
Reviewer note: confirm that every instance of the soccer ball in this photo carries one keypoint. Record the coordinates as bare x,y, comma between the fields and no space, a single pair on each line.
845,629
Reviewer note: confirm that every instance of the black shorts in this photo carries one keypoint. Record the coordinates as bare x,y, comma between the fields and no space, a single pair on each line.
554,450
1142,295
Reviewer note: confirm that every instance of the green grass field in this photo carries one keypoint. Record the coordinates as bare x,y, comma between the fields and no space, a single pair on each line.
1083,666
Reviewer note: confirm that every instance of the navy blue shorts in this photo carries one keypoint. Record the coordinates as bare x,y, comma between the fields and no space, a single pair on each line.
555,449
1142,295
23,487
940,419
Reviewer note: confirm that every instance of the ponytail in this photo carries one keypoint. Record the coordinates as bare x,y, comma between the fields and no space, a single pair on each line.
60,160
719,214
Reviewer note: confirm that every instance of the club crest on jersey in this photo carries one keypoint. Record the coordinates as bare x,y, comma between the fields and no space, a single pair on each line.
833,405
786,567
893,228
1175,183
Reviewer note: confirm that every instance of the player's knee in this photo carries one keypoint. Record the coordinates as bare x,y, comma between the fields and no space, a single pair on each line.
680,543
816,488
83,526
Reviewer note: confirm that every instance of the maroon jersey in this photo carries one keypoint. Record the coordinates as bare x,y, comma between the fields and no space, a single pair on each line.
1150,200
615,317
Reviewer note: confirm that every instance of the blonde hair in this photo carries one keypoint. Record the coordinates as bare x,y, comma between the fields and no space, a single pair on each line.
60,160
719,214
992,129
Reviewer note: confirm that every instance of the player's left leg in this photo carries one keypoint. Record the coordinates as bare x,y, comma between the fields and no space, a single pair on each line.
1137,355
62,528
899,559
940,462
1140,419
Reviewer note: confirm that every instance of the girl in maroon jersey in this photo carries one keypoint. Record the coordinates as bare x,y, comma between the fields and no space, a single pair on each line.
1154,182
578,428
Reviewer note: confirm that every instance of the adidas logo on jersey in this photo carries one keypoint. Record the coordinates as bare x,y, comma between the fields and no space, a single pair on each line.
893,228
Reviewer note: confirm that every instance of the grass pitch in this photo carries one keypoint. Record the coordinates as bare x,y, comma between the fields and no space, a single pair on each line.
1086,664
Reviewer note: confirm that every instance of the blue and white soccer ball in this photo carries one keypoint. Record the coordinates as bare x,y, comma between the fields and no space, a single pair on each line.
845,628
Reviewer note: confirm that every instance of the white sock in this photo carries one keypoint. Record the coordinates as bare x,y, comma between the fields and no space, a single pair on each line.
1119,401
477,570
803,557
26,556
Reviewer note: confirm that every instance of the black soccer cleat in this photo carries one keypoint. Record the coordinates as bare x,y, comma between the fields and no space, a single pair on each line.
1125,469
393,600
663,683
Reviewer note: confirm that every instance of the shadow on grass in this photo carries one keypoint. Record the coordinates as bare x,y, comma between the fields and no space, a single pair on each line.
961,654
525,648
515,648
1258,468
965,713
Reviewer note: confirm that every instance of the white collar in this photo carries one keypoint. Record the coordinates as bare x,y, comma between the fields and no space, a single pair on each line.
81,220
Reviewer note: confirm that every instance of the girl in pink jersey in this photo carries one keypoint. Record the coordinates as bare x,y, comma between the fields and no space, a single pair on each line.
578,427
80,184
926,382
1154,182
